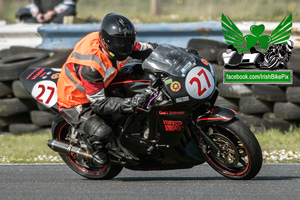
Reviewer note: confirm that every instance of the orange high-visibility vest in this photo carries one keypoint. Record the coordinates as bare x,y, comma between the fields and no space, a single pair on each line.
70,90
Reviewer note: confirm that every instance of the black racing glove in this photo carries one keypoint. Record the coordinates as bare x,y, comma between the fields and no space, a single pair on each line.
129,104
138,100
113,105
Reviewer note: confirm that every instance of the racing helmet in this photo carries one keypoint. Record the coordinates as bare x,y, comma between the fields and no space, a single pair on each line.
117,36
289,45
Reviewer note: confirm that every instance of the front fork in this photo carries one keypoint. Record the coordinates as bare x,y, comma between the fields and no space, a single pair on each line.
207,144
215,115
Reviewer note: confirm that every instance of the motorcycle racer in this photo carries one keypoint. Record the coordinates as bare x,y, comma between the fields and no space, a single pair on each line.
176,129
92,65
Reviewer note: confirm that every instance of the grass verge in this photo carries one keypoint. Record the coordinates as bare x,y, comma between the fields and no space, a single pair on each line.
280,147
277,147
27,148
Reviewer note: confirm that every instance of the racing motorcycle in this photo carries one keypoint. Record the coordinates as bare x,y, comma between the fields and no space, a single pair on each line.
179,127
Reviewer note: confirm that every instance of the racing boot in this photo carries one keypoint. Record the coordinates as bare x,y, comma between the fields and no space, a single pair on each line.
99,153
98,132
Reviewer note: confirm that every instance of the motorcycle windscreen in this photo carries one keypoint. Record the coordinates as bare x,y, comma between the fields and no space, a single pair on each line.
168,59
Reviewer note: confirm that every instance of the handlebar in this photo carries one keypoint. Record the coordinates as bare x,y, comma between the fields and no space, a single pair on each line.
152,96
144,110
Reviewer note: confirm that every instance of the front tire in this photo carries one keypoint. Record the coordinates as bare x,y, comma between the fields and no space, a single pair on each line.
60,130
241,157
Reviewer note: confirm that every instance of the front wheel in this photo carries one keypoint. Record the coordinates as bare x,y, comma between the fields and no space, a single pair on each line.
61,131
241,156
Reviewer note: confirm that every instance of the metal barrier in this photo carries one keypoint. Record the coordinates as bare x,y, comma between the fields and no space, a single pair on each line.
60,36
19,34
65,36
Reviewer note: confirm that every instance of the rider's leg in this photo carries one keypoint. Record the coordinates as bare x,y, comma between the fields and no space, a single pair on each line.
84,120
99,134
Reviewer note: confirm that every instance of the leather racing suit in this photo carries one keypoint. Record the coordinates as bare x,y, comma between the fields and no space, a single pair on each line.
85,103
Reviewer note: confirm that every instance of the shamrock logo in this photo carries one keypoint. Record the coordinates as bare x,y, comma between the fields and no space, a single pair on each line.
234,36
257,39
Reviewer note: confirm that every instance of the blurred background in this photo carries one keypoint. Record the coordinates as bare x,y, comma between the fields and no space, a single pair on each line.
148,11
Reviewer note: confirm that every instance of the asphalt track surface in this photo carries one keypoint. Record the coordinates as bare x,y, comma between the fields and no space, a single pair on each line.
275,181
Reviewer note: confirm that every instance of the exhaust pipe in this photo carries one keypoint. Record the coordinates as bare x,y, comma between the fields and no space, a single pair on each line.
64,147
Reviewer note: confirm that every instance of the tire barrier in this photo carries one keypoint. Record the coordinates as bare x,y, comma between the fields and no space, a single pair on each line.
261,107
19,90
12,66
271,93
208,49
41,107
252,105
55,60
14,106
21,118
17,128
293,63
19,112
5,89
42,118
287,111
293,94
219,72
228,102
269,121
236,91
254,120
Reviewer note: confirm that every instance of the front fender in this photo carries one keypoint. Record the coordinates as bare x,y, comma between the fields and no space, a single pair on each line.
216,115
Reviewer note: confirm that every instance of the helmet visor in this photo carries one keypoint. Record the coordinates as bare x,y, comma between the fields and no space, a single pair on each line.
119,44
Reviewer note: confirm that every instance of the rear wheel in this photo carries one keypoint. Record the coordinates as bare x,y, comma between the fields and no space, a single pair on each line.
61,131
241,157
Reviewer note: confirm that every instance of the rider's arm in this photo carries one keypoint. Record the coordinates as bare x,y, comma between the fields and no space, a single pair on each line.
100,103
142,50
92,82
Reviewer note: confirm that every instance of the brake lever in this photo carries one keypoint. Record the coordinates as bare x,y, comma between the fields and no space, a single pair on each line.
144,110
148,108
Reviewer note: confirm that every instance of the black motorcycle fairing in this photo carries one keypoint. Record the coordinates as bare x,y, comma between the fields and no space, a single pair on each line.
216,115
159,135
172,122
130,80
188,79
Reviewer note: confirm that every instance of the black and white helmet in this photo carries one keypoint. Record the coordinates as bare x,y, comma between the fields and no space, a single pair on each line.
289,45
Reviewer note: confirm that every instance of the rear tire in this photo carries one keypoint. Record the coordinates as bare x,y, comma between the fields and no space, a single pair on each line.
242,157
60,129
